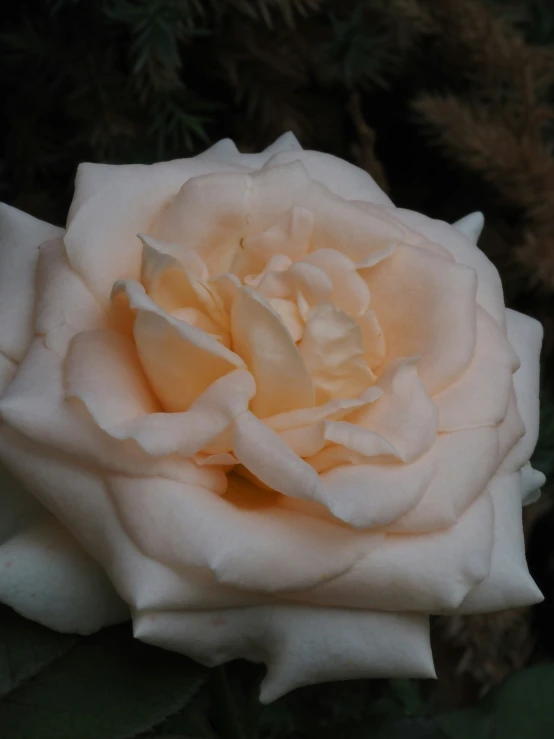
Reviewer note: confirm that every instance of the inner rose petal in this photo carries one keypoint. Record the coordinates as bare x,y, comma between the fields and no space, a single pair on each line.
262,340
180,360
333,350
426,306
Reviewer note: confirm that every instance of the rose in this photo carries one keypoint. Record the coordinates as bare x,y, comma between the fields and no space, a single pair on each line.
288,420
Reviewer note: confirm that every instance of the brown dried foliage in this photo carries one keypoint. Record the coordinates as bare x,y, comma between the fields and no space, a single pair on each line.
495,124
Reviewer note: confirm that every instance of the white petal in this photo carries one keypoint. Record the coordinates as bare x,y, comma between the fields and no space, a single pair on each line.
471,225
20,235
464,250
64,304
283,382
112,204
426,307
509,584
424,574
404,415
531,483
49,578
300,645
180,360
103,372
7,371
480,396
525,335
341,177
243,536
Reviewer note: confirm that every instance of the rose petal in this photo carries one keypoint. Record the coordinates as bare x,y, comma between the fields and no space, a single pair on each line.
47,577
64,304
463,463
180,361
525,335
20,235
341,177
350,292
405,415
111,205
373,338
7,371
426,574
262,452
333,351
259,336
34,404
242,537
300,645
509,584
366,495
489,286
426,307
80,500
344,226
480,396
103,372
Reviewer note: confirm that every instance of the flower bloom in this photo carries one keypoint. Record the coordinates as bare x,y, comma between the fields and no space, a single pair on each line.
267,411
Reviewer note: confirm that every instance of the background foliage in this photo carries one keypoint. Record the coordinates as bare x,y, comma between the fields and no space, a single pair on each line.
449,104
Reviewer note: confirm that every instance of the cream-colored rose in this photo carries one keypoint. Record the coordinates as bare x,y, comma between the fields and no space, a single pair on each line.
286,418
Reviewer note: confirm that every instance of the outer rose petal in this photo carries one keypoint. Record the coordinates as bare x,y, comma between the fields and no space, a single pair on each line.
242,536
426,306
111,205
300,645
424,574
489,286
525,335
47,577
64,304
342,178
509,584
480,396
20,235
44,574
80,500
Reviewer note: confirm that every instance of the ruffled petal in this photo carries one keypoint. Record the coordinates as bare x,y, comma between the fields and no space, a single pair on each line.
242,537
49,578
349,291
64,304
333,351
180,360
300,645
525,335
20,235
405,415
490,294
7,371
269,458
103,372
463,463
425,574
480,396
111,205
260,337
426,307
79,499
509,584
366,496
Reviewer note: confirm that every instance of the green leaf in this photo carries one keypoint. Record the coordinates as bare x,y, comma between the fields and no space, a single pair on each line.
521,707
108,686
26,648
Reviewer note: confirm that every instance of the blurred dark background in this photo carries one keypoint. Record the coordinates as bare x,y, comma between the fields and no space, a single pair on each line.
448,104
